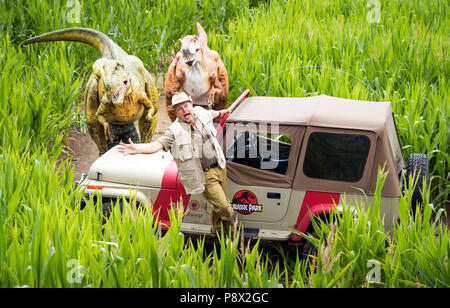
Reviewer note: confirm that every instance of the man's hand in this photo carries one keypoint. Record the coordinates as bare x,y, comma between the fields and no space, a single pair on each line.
219,113
224,111
148,148
127,148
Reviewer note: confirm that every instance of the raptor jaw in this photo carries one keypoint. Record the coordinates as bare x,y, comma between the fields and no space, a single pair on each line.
191,58
118,95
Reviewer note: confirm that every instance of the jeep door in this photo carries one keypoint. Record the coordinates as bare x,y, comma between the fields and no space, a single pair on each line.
261,163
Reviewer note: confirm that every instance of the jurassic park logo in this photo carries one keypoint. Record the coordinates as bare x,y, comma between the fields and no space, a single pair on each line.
245,202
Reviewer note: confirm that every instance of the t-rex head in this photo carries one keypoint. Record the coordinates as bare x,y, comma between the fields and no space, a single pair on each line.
192,46
114,81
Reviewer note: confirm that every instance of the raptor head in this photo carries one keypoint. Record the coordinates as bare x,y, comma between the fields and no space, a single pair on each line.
114,80
192,46
191,50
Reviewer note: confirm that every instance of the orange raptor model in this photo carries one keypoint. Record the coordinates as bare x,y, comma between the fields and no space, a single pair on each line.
198,71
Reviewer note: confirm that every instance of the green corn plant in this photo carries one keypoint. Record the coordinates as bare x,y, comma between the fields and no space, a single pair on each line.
276,48
421,248
354,250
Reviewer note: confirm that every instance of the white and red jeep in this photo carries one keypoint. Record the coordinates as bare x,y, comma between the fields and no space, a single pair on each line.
287,158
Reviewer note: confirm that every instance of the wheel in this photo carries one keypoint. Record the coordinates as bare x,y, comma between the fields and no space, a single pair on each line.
417,169
107,206
308,249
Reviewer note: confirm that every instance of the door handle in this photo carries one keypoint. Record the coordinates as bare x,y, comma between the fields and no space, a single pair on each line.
272,195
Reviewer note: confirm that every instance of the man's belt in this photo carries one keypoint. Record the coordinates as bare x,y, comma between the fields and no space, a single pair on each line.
210,167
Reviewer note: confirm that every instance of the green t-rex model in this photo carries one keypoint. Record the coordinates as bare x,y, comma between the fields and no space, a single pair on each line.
120,92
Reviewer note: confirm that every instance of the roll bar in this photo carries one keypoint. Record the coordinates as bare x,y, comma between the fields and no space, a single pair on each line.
239,100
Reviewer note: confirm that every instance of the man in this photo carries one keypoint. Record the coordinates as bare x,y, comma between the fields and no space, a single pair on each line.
198,155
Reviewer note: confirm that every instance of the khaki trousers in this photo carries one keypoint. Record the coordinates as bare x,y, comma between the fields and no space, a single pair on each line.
215,189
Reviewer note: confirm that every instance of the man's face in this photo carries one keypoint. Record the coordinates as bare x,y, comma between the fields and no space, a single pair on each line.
184,112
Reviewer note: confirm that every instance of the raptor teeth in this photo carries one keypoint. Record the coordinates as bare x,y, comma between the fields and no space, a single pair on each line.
118,95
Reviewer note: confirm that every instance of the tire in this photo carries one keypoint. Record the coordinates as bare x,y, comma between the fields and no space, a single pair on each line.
417,169
107,206
308,249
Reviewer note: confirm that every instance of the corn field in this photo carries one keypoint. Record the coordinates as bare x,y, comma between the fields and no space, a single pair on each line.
375,50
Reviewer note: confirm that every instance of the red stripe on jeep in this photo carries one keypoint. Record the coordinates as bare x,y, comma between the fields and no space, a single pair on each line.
315,203
171,191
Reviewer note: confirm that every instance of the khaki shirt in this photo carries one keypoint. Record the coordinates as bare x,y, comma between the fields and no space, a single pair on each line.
194,149
207,154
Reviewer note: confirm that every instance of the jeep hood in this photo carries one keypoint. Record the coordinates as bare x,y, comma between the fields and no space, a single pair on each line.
140,169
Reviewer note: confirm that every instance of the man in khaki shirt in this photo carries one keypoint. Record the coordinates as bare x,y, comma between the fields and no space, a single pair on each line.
199,157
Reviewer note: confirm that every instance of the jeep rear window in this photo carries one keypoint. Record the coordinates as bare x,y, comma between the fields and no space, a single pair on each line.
337,157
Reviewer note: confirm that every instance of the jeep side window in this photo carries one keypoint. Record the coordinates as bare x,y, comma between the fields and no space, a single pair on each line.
264,151
337,157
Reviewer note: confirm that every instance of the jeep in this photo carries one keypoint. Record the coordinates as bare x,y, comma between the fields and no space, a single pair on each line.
288,159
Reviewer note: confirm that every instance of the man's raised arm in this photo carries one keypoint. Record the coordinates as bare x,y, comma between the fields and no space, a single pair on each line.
148,148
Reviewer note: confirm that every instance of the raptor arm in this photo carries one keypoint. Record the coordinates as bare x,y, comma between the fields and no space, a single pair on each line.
174,76
152,93
222,76
101,119
174,81
92,104
219,82
147,122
